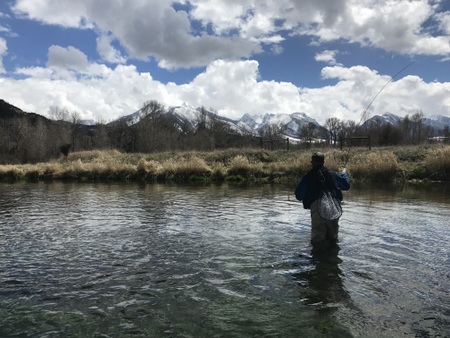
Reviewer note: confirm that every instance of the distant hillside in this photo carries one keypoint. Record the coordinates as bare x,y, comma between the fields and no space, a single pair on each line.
7,110
290,125
28,137
187,118
436,122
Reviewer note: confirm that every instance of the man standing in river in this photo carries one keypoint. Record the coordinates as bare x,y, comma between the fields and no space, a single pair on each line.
324,233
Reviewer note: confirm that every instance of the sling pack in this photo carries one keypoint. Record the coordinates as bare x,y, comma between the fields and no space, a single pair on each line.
329,204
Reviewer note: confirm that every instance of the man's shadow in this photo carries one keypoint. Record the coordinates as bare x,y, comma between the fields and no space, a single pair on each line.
321,279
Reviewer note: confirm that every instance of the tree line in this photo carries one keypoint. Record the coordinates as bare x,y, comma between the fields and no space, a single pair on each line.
410,130
29,137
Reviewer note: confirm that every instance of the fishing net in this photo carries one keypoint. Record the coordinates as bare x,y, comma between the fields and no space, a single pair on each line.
329,206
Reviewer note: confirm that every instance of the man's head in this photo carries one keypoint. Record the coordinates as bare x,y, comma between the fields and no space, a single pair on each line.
317,158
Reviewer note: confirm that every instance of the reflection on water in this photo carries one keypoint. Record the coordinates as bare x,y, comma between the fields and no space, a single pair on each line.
322,281
173,261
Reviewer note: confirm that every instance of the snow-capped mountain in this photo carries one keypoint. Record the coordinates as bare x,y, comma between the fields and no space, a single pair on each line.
381,120
436,122
258,123
298,121
187,118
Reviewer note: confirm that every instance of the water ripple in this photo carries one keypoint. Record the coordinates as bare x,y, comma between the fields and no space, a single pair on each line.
193,261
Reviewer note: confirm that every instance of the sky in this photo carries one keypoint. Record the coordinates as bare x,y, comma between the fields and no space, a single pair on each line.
349,59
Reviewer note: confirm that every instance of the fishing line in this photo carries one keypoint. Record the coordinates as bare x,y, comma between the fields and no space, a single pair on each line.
345,158
374,98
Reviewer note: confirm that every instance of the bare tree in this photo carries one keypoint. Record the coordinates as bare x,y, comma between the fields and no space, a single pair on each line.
58,114
347,128
203,139
219,135
152,109
19,129
100,137
152,131
333,125
122,136
75,128
407,128
308,132
37,141
202,123
417,126
446,134
272,132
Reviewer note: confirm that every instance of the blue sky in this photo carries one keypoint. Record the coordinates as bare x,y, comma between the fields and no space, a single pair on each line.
103,59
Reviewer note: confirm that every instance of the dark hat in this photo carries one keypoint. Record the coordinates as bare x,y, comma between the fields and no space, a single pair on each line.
318,157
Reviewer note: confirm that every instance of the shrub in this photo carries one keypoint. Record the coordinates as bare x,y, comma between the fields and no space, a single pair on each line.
374,166
187,168
437,164
241,166
11,172
410,154
64,149
95,155
148,167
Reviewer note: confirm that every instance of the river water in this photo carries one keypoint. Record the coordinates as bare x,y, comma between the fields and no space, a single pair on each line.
129,260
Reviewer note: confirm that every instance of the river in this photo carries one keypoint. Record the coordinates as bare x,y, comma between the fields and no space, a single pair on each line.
152,260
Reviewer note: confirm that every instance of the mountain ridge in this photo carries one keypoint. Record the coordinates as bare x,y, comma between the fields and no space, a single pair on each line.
188,117
289,124
437,122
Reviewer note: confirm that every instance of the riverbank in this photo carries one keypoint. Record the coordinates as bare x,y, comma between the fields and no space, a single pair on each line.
387,164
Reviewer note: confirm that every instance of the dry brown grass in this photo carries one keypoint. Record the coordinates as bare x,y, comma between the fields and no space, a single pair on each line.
374,166
429,162
240,165
437,163
12,170
94,155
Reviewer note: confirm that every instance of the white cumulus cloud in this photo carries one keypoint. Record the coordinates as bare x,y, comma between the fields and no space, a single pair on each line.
204,31
68,58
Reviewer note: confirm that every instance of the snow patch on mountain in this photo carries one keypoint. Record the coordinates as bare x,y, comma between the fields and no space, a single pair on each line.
382,120
438,122
187,119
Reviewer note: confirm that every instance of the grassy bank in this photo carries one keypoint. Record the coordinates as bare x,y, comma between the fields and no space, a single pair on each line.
430,162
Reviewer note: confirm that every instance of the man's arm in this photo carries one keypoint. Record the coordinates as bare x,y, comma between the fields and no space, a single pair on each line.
300,191
343,181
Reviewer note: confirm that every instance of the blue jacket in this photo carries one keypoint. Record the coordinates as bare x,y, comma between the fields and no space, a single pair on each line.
310,187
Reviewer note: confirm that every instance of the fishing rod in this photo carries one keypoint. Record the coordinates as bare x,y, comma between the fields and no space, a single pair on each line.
345,158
